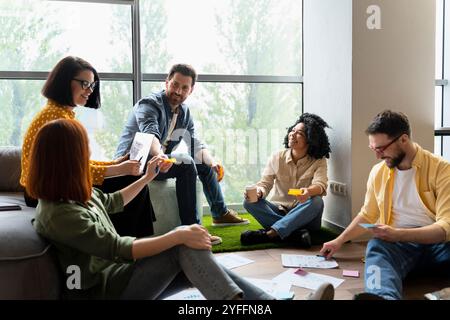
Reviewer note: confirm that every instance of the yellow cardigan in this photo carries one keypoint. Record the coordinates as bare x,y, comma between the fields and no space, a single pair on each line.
53,111
432,182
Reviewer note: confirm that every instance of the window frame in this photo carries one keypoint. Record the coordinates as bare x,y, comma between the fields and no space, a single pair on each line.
138,78
440,130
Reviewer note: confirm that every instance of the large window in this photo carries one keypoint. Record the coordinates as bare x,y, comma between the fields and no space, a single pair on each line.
248,54
442,92
35,35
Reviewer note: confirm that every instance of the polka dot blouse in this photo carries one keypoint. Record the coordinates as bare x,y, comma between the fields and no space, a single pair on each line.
54,111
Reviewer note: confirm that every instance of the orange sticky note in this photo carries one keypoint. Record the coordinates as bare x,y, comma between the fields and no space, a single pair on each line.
221,173
295,192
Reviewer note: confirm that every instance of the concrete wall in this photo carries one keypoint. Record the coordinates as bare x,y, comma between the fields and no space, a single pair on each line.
351,73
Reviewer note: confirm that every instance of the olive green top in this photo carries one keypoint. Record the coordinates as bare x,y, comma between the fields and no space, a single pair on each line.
84,237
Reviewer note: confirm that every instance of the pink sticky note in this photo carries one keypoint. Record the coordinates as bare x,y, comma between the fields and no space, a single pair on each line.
350,273
300,272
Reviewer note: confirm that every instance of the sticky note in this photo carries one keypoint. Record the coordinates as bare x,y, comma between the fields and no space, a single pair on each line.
368,225
295,192
221,173
350,273
172,160
300,272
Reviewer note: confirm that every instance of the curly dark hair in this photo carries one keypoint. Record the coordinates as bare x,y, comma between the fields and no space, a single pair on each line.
317,139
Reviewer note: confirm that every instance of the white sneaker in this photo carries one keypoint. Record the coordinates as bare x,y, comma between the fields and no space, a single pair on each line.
324,292
215,240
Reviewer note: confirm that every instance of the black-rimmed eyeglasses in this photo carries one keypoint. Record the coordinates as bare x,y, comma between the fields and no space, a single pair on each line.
86,84
381,149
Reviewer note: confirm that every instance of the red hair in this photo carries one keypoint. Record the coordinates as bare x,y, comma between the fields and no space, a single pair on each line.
59,163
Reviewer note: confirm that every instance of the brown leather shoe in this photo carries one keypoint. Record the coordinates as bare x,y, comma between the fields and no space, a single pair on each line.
230,218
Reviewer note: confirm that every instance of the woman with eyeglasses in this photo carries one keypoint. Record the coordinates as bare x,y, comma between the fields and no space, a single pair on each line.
74,82
75,217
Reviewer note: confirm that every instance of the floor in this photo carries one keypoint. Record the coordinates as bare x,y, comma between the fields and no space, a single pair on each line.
268,265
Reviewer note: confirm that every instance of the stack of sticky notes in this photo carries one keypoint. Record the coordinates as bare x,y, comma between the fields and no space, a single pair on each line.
295,192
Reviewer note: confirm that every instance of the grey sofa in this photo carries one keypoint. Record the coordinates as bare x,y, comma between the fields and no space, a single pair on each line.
28,269
28,266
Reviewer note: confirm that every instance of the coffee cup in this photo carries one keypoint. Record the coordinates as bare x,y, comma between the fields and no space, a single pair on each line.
252,193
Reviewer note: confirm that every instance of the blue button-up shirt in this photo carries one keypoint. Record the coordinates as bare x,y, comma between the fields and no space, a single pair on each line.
153,114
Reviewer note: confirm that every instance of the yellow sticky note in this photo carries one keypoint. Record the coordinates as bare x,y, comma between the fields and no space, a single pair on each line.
172,160
295,192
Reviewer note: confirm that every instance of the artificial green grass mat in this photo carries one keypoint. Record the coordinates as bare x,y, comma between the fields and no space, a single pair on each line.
231,236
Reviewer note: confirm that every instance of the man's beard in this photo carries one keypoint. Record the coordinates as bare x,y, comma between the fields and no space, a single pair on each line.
395,161
174,99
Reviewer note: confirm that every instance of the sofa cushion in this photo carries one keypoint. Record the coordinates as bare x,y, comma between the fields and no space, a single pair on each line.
18,239
10,169
28,269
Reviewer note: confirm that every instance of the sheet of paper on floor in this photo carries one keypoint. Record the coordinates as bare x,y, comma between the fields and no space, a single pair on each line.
231,260
274,288
307,261
309,281
187,294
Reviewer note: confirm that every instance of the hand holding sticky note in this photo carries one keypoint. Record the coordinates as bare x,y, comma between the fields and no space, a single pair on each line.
296,192
171,160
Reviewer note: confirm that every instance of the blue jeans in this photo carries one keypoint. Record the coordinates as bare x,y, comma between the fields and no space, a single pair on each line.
388,264
307,215
186,179
152,275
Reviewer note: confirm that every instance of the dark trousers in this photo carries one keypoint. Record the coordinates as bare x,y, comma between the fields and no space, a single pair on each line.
137,217
186,182
186,179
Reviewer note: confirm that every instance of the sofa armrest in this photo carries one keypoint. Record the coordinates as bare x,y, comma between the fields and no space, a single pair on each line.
10,169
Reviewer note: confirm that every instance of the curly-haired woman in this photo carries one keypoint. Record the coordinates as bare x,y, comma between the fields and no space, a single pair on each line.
301,165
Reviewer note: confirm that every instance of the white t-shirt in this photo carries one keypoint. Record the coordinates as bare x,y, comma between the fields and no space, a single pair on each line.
408,210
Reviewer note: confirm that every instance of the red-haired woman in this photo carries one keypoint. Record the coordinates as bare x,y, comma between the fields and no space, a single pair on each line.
74,216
